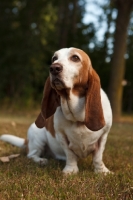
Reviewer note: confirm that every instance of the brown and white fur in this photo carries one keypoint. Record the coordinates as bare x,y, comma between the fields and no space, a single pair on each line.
75,116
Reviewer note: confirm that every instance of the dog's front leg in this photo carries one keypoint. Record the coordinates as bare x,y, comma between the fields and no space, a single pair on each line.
71,158
99,166
71,162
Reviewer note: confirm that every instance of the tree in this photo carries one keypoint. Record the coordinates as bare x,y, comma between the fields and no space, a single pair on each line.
118,60
128,89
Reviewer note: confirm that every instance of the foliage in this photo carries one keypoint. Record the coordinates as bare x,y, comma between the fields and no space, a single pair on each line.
32,30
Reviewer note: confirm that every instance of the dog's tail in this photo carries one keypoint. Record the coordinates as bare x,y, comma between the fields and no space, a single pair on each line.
14,140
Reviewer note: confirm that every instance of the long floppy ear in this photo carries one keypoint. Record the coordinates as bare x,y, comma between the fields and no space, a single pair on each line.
50,102
40,121
94,118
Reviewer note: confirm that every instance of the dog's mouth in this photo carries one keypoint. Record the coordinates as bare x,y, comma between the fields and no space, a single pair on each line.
58,83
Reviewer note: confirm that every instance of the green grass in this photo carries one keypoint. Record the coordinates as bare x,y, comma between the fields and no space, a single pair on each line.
22,179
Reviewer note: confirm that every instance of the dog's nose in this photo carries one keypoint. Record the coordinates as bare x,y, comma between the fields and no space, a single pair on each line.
56,69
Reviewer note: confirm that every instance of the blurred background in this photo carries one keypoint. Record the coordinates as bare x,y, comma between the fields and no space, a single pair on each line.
31,30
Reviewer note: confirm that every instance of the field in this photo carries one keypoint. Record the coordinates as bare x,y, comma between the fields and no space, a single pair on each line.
22,179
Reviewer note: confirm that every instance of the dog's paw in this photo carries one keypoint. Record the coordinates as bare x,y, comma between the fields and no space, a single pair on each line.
40,161
103,170
43,161
70,169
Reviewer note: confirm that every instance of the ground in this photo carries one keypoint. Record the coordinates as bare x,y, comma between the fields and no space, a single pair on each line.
23,179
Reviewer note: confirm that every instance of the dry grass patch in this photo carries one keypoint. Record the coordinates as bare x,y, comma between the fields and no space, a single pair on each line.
23,179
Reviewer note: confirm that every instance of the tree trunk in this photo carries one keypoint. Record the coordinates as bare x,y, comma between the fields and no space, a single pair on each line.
64,25
118,61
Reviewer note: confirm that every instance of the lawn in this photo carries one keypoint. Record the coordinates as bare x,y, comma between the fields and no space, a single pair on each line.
22,179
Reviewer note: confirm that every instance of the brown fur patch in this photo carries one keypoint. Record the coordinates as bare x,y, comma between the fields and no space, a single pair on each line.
50,125
50,102
94,118
40,121
64,93
80,82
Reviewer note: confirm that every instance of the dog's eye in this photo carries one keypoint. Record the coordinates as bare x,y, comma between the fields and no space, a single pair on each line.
54,58
75,58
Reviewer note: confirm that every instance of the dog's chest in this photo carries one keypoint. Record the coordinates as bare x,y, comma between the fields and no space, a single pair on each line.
79,138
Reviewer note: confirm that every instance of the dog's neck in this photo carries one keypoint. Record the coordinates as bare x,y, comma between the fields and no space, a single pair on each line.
73,106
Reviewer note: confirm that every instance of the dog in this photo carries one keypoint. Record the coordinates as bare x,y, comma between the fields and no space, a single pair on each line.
75,116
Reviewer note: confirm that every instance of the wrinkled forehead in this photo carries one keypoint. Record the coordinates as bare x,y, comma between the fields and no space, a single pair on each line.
67,52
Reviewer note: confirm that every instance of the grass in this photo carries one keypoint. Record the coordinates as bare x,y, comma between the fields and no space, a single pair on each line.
22,179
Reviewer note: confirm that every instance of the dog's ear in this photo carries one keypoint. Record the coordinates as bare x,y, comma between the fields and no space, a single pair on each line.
40,121
94,118
50,102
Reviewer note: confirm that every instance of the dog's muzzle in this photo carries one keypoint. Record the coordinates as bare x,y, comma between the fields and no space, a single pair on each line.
55,69
56,78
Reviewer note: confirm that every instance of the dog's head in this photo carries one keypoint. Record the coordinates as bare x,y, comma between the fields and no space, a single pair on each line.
71,69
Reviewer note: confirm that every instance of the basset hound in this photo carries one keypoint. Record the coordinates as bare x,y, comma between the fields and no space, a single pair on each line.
75,116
